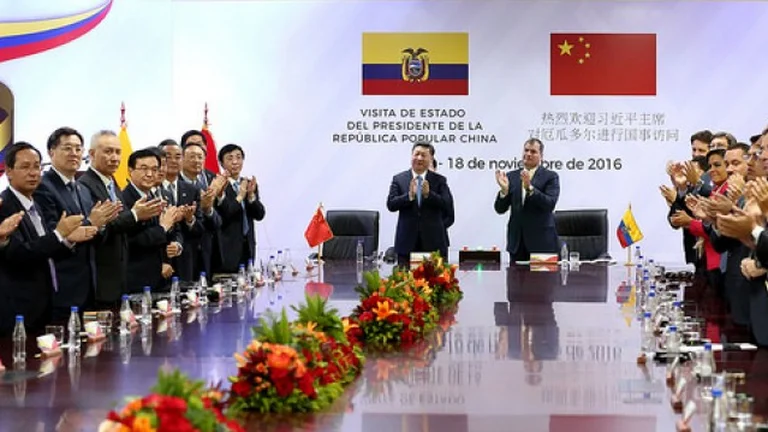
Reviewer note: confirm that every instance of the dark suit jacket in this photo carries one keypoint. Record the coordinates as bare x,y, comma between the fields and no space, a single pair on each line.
190,263
761,249
112,249
26,287
76,273
533,221
230,234
208,254
704,188
425,223
689,240
737,287
146,249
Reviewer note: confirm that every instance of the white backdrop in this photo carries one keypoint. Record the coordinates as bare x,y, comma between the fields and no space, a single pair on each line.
282,78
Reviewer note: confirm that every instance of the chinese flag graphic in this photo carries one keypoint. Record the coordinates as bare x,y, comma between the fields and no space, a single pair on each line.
605,64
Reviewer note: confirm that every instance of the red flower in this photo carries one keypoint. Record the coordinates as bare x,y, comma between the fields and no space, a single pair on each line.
419,322
173,422
366,316
284,386
151,400
331,374
370,302
354,334
307,354
394,318
234,426
278,373
307,386
407,337
419,272
241,388
420,306
172,403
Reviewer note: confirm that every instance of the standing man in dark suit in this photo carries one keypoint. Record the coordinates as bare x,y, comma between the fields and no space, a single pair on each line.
112,249
184,194
175,237
28,277
147,241
59,193
238,207
423,200
210,186
531,194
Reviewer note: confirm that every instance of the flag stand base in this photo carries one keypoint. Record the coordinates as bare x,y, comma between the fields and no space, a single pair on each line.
629,257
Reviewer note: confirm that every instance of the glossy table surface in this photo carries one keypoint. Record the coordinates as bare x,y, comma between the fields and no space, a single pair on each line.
529,351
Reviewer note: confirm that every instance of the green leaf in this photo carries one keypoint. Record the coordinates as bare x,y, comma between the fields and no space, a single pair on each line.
275,330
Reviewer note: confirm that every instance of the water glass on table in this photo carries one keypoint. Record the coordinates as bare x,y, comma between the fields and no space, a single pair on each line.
574,258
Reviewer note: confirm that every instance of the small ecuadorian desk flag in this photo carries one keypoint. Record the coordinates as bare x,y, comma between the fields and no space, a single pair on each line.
416,64
628,232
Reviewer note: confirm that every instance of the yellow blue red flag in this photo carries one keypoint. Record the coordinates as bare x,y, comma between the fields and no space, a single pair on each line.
416,64
628,231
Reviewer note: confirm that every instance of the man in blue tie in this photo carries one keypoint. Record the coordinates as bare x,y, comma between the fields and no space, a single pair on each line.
203,218
209,187
58,193
28,277
112,248
530,193
238,205
423,199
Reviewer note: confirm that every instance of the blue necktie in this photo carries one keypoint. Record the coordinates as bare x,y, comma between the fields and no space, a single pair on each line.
419,182
236,187
723,262
172,193
202,181
111,190
73,192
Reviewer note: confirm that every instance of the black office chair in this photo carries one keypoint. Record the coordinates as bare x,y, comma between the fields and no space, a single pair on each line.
584,231
348,227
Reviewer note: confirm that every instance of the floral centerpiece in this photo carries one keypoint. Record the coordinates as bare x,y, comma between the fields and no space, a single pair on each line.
442,278
296,367
322,337
393,312
175,403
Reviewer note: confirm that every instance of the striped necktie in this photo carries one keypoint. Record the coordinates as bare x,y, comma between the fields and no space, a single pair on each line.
37,221
111,191
246,228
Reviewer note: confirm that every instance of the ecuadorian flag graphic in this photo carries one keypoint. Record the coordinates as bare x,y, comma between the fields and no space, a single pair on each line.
24,36
416,64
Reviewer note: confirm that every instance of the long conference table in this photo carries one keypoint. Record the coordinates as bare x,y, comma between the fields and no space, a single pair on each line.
529,351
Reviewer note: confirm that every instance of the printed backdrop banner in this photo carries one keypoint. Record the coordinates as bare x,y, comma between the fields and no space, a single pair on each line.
327,98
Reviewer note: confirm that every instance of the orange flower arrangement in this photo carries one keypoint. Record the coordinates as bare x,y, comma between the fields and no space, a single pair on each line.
175,404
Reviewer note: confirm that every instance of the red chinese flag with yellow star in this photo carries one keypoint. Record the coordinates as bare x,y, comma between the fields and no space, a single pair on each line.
318,231
603,64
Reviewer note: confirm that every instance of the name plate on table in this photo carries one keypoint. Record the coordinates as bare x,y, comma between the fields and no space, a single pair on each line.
479,256
543,262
